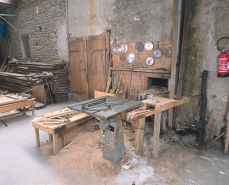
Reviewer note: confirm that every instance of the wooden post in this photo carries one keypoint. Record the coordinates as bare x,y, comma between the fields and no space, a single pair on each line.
54,144
157,123
32,107
139,136
50,137
24,110
37,136
227,140
174,57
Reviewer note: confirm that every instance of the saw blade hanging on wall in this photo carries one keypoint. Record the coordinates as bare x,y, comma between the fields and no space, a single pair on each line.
150,61
122,57
157,53
139,46
131,58
117,49
124,48
148,46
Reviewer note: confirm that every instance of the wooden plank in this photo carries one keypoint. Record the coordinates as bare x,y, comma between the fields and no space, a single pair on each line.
174,58
37,136
156,135
140,57
4,62
18,105
214,124
183,53
6,100
139,136
134,117
108,84
39,93
145,70
227,140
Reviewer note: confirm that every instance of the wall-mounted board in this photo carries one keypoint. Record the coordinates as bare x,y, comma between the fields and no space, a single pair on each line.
140,57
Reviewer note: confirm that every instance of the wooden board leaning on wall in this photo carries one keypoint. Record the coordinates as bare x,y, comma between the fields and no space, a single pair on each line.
140,57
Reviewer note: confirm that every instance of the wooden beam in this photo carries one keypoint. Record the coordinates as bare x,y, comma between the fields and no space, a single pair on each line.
227,140
139,136
156,135
183,53
174,57
37,136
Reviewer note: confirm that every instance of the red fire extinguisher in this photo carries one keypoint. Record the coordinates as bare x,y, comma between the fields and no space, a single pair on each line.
223,61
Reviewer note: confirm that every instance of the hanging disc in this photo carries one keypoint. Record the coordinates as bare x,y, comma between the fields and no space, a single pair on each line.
122,57
139,46
124,48
117,49
150,61
157,53
131,58
148,46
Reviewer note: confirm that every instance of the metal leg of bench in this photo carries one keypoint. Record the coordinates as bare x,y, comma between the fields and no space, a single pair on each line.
3,123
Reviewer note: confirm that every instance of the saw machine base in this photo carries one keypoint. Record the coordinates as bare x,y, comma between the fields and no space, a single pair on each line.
109,109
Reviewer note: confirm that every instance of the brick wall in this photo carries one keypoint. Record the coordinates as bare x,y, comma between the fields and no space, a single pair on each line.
45,23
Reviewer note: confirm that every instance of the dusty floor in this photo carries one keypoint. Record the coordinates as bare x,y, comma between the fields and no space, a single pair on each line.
21,162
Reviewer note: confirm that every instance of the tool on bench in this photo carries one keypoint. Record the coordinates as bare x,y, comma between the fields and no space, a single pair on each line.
109,109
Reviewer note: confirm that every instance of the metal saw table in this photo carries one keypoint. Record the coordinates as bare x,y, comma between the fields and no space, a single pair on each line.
110,110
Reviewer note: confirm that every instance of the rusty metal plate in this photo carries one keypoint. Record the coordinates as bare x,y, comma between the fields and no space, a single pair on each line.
124,48
157,53
148,46
131,58
117,49
139,46
122,57
150,61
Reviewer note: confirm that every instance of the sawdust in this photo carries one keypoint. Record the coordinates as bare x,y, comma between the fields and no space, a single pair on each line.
83,163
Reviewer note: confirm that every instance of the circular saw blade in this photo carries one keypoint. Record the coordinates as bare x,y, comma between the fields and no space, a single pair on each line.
124,48
157,53
117,49
150,61
131,58
148,46
139,46
122,57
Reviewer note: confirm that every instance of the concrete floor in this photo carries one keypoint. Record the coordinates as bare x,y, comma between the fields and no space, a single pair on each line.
21,162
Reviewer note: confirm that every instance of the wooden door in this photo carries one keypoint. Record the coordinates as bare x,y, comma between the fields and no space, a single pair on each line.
89,59
98,53
78,69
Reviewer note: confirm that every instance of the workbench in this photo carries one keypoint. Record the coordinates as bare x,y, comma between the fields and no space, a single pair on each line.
138,116
12,102
76,120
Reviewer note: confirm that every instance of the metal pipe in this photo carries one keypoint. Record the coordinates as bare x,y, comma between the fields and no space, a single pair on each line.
9,23
7,1
7,15
24,5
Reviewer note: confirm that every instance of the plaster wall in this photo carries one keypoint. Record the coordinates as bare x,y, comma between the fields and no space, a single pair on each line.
129,20
208,23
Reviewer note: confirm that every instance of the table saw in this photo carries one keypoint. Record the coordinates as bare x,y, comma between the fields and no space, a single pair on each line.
110,110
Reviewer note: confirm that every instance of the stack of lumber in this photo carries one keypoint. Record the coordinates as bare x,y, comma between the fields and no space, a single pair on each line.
20,83
59,84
